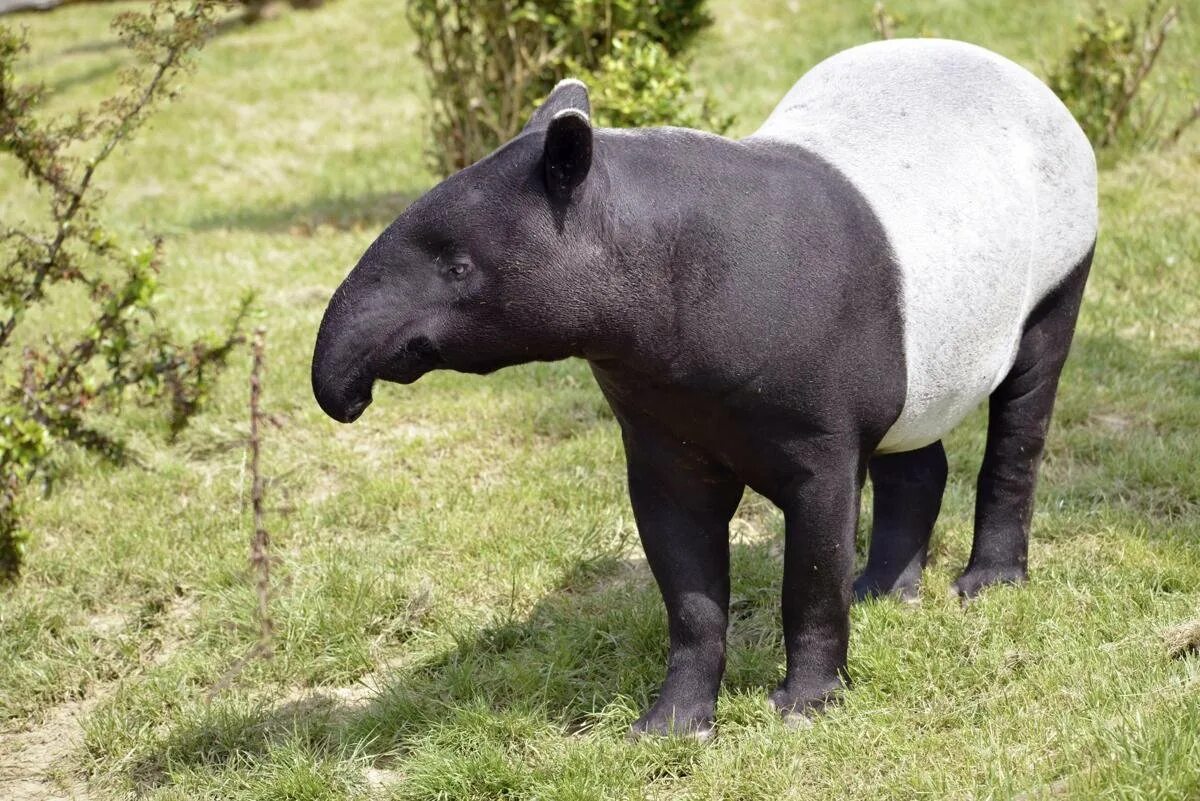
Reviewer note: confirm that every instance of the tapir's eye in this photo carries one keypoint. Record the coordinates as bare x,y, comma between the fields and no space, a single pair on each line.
456,270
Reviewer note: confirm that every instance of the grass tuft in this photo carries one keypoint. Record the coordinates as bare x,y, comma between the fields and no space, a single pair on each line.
1182,640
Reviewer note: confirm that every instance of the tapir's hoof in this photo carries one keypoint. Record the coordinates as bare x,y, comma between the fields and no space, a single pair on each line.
975,580
655,723
867,586
798,709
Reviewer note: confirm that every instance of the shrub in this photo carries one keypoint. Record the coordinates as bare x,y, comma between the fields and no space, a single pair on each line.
55,381
489,62
640,83
1101,78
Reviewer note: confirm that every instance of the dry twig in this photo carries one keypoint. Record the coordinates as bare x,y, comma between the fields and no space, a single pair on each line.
1188,120
260,560
260,540
883,22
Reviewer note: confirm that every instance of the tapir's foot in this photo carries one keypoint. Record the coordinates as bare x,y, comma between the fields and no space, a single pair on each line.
975,579
799,706
906,587
670,720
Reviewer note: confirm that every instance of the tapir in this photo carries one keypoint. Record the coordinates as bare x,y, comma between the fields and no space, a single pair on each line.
906,235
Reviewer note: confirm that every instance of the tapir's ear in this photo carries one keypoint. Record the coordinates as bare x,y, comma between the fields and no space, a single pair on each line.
570,93
568,152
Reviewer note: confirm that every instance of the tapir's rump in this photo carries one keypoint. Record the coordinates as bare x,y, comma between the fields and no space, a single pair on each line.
985,186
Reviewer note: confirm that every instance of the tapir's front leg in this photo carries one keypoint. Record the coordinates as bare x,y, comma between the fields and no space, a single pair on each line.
820,513
683,504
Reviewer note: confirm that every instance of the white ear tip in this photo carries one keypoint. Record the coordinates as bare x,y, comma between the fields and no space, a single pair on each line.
572,112
569,82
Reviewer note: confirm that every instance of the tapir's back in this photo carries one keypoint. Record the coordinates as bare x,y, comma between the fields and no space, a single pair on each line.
985,186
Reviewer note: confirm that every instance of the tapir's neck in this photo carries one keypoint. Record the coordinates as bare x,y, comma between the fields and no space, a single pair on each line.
678,211
647,209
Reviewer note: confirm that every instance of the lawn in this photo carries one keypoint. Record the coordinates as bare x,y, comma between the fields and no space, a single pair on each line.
461,607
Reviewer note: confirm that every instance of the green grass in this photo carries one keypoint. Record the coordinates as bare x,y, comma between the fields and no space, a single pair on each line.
461,608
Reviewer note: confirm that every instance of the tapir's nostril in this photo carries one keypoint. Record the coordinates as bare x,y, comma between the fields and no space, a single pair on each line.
342,397
355,410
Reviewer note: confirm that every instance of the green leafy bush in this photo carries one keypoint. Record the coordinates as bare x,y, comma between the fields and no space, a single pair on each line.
56,378
641,83
1102,76
490,62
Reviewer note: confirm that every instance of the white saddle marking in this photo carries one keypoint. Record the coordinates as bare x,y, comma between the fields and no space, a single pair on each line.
985,185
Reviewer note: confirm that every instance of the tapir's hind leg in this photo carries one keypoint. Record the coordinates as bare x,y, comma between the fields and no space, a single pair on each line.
908,495
1018,418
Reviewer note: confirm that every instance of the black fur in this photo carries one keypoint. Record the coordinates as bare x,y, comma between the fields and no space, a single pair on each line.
908,496
739,306
1018,419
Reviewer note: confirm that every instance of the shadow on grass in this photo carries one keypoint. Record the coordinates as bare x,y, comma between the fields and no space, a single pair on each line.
109,44
592,653
1124,432
84,77
372,211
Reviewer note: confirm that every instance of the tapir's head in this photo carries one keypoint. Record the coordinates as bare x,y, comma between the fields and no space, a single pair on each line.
490,268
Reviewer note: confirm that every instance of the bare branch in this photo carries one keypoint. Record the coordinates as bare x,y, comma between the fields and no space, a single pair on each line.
260,560
120,343
1151,48
1188,119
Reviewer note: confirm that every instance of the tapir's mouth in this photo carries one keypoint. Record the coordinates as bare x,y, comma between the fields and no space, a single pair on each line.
416,358
345,400
355,410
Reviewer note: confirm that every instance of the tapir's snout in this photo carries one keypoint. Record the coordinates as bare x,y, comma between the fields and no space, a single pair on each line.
341,380
343,392
369,336
344,403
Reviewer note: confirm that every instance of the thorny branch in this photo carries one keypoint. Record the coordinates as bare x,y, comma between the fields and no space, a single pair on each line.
67,370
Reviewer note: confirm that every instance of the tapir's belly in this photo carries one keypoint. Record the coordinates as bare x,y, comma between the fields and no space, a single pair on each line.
985,186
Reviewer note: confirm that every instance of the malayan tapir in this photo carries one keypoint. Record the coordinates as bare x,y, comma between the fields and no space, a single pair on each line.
907,234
